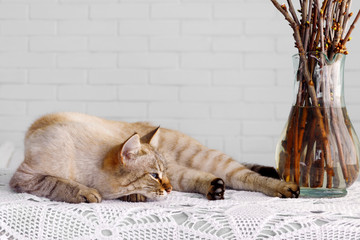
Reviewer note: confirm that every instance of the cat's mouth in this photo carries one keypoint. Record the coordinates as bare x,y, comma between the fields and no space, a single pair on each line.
158,195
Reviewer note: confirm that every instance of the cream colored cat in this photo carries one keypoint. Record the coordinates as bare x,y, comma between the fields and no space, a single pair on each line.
75,158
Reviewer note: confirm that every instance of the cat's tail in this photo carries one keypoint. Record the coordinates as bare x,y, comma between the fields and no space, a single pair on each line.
265,171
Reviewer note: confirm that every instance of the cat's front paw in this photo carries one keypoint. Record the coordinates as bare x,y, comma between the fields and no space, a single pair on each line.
89,195
134,198
216,190
288,190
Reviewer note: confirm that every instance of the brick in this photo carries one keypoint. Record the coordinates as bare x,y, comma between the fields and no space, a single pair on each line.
148,60
245,111
352,64
148,93
244,77
58,11
218,27
13,76
351,79
16,137
149,1
262,128
244,44
354,114
57,76
210,127
13,11
244,10
58,44
180,44
232,147
179,110
12,123
119,11
27,92
163,123
25,28
29,1
215,143
85,60
36,108
211,60
352,95
134,44
180,77
257,144
282,111
90,93
88,27
266,27
210,94
265,159
89,1
12,107
285,77
115,76
181,11
268,94
268,61
13,44
117,109
152,27
285,44
27,60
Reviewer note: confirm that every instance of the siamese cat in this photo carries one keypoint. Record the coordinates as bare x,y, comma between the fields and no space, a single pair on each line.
73,157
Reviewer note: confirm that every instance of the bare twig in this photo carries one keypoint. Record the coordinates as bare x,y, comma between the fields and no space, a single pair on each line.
321,27
339,29
348,7
347,37
293,12
307,27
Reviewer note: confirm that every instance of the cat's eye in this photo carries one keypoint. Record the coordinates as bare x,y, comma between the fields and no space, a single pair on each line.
155,175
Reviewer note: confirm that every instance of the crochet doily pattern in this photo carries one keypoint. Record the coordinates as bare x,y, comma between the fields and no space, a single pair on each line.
242,215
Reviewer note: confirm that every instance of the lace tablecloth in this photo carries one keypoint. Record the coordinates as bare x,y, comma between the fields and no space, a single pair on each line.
242,215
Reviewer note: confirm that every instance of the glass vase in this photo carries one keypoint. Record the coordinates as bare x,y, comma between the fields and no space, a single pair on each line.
318,148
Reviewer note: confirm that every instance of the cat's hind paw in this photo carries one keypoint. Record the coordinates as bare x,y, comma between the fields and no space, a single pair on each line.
288,190
216,190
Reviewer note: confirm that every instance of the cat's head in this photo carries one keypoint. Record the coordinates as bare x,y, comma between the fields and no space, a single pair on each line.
138,167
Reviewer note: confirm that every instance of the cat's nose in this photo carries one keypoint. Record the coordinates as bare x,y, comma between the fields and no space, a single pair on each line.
168,189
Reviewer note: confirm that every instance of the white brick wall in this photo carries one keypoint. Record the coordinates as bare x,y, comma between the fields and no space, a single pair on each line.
219,70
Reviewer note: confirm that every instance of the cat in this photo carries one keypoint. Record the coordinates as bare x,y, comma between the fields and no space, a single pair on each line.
75,158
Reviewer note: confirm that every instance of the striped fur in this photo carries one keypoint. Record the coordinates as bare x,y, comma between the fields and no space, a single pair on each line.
74,157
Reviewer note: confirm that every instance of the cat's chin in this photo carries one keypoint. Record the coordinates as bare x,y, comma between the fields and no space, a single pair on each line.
157,197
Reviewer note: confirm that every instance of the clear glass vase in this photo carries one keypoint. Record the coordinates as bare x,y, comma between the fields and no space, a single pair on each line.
318,148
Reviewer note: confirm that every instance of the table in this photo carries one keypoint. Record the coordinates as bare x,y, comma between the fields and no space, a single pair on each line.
242,215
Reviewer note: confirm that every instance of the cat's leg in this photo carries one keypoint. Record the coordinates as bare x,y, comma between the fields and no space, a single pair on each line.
191,180
134,198
54,188
239,176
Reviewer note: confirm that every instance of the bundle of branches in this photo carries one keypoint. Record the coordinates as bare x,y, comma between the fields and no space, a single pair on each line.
318,128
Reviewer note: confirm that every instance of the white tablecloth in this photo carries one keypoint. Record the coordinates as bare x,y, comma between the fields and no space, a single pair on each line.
242,215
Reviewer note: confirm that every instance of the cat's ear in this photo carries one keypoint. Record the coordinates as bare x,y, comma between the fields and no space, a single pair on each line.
152,138
130,147
155,138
